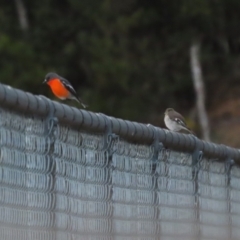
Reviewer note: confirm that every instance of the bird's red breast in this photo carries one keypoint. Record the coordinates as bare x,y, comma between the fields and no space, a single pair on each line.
58,88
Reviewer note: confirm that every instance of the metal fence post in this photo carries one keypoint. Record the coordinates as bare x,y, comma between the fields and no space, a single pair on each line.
229,162
109,137
50,125
197,156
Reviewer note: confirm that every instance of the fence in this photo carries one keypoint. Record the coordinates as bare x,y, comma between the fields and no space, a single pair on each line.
67,173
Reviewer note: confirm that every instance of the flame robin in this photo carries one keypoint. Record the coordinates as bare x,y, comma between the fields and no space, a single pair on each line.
62,88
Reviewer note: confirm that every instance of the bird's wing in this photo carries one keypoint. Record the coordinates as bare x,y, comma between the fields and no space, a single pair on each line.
180,122
68,86
180,119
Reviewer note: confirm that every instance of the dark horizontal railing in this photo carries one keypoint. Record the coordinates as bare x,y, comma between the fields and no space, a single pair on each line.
24,102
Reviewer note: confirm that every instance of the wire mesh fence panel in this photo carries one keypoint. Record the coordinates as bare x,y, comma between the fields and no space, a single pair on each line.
26,182
133,181
176,199
234,202
60,182
213,201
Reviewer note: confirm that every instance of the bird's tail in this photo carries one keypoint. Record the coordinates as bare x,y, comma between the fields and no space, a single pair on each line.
189,131
82,103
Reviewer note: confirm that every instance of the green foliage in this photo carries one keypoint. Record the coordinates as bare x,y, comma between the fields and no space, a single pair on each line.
127,58
19,65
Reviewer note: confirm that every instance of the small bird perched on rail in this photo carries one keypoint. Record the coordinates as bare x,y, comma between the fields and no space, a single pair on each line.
62,88
174,121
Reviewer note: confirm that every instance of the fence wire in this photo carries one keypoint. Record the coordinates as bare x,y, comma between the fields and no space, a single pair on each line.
58,183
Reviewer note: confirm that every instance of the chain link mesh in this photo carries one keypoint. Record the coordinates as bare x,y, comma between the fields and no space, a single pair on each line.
60,183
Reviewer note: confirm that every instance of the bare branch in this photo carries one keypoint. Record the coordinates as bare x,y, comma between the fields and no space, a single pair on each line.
22,15
200,90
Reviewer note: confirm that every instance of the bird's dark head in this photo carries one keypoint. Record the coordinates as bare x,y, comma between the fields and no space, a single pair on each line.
168,110
50,76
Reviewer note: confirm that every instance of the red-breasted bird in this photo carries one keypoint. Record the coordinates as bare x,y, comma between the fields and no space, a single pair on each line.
62,88
174,121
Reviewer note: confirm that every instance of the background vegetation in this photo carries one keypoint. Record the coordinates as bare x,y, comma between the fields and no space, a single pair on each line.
129,58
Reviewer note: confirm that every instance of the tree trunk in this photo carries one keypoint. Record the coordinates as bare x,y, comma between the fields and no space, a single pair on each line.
199,89
22,15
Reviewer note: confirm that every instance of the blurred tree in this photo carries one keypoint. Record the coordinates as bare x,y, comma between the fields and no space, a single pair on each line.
22,14
128,58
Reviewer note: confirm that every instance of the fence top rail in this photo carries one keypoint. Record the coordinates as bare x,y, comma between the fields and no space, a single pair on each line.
28,103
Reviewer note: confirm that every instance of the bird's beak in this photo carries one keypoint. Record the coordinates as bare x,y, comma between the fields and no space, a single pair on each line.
45,80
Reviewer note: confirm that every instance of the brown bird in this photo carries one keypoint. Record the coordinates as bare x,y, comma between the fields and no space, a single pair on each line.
174,121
